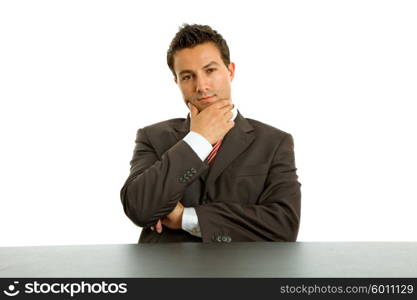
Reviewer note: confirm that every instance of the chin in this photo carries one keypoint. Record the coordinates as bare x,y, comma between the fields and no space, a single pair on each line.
210,103
204,106
201,108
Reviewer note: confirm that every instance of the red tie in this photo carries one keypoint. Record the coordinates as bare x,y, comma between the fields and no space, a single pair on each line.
213,152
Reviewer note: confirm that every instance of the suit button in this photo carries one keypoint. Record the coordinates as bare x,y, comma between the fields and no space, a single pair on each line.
224,239
219,239
229,239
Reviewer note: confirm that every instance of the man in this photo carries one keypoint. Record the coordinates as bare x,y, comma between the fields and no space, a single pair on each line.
215,176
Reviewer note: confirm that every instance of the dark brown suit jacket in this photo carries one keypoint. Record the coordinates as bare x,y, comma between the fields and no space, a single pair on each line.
251,193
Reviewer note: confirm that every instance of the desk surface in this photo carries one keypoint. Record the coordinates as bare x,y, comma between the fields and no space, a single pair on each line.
301,259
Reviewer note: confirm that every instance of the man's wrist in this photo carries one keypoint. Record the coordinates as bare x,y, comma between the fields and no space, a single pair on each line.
190,221
200,145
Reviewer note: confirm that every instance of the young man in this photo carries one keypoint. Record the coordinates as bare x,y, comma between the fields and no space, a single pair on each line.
215,176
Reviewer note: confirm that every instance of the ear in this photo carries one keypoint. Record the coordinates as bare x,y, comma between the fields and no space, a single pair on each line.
231,69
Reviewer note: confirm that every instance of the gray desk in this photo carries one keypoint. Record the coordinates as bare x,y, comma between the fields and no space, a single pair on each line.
301,259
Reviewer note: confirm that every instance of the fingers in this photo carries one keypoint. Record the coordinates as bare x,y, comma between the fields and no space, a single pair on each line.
224,109
226,112
228,107
223,103
229,124
159,226
228,115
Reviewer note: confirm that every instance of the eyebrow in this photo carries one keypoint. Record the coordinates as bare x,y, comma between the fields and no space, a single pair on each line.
206,66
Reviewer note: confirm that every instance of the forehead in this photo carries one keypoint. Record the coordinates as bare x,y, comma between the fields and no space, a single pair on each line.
196,57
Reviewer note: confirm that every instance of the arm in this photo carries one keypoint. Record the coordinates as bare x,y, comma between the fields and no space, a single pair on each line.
155,185
276,215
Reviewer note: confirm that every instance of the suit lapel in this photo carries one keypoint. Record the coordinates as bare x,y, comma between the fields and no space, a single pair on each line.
234,143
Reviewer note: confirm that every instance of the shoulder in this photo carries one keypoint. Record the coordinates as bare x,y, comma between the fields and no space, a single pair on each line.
270,137
266,130
163,126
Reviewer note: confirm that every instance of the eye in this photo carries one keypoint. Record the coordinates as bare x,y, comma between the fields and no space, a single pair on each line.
186,77
210,70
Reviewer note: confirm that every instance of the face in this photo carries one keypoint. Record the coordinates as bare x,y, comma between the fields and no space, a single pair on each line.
202,76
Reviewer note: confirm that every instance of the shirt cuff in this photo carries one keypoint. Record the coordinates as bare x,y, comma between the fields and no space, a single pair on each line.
199,144
190,221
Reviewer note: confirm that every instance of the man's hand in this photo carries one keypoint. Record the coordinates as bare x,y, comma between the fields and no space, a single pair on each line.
213,122
173,220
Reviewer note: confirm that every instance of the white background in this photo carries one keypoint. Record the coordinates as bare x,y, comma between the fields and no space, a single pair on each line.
78,78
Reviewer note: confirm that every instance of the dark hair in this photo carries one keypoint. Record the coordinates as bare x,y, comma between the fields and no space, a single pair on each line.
190,36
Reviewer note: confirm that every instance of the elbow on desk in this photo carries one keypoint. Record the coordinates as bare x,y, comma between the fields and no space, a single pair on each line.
294,227
290,235
288,227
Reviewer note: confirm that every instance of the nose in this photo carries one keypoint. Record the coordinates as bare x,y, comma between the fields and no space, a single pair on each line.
202,84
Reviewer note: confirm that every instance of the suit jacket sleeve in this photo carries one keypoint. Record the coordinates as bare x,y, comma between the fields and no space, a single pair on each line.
156,183
276,215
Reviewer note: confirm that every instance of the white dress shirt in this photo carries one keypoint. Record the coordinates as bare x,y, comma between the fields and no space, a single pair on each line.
202,148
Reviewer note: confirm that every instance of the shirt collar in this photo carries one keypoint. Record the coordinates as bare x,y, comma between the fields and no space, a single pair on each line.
234,112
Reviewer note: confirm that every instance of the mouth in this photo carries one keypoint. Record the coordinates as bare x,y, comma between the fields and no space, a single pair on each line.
207,99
